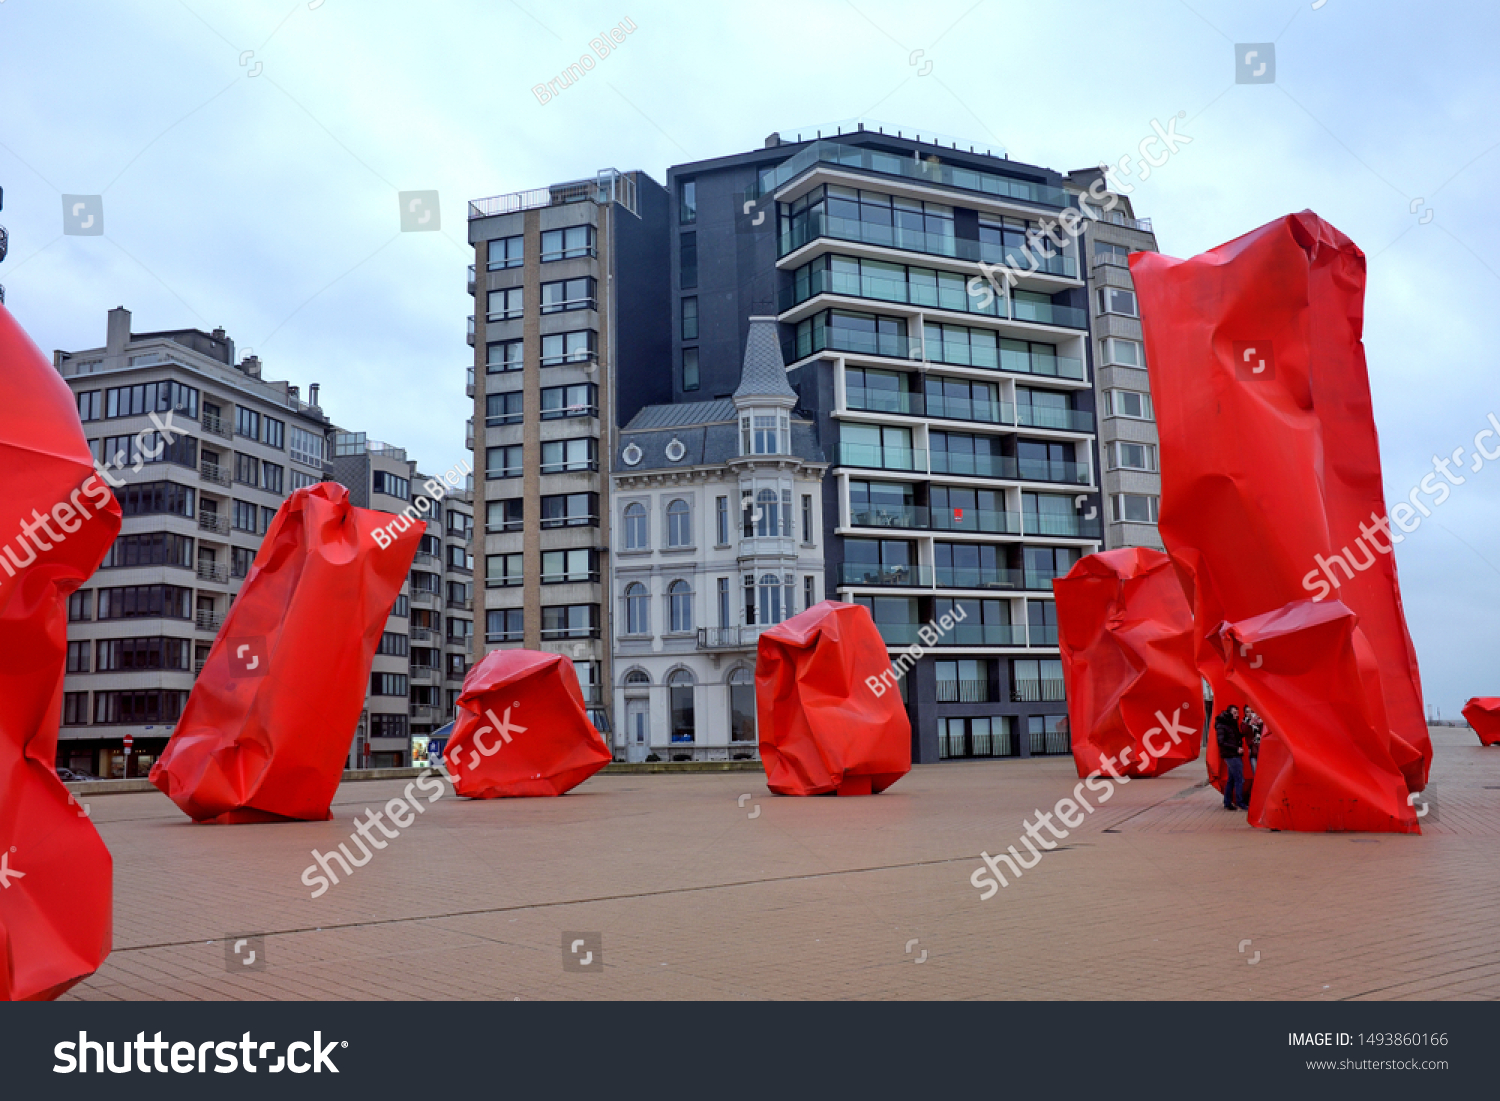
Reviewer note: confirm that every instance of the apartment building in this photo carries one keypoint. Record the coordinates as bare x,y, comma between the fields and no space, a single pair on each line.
196,507
569,282
1122,390
717,509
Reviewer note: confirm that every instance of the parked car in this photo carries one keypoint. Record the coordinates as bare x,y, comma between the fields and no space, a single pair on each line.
68,776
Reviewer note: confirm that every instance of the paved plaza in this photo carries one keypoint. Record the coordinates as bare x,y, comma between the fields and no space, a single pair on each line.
689,890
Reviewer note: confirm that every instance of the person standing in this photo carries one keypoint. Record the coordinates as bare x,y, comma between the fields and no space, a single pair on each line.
1230,737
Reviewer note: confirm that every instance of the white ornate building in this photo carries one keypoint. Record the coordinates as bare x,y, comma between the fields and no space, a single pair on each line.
717,532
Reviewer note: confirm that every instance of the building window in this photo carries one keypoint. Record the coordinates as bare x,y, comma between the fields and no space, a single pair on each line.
577,564
568,294
147,397
807,519
246,469
502,355
562,456
690,374
246,423
244,517
1034,679
690,318
679,524
775,597
809,592
963,681
502,462
570,621
388,684
579,346
637,609
722,512
135,708
145,602
504,305
636,536
505,252
272,478
1134,508
578,400
681,689
567,244
687,202
306,447
764,433
382,481
725,617
148,447
1128,403
393,644
1125,353
502,571
1132,456
240,559
570,510
503,625
1048,735
267,515
78,657
680,605
149,549
274,433
688,260
1116,301
503,515
503,409
741,706
146,498
75,709
88,405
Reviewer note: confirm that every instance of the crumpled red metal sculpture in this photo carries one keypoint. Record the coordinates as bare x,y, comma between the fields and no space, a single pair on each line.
266,731
522,729
1271,487
1135,700
830,711
1483,715
57,519
1326,759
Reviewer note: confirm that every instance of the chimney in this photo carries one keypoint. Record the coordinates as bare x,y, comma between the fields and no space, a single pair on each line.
773,140
312,395
251,366
294,392
218,334
118,333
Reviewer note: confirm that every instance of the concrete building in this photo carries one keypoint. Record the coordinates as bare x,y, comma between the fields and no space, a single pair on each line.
717,509
569,282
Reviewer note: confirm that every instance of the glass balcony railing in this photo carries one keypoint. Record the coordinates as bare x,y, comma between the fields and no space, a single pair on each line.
1040,580
980,634
1060,264
978,466
859,573
889,516
1052,470
971,409
898,634
975,520
1042,634
1047,313
1047,366
878,457
975,577
1042,416
868,400
961,354
1063,524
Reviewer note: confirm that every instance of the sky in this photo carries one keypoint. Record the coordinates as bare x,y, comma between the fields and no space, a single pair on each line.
249,156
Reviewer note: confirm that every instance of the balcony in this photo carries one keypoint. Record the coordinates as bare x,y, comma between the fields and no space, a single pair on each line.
466,604
471,278
422,558
971,409
1040,580
975,577
213,522
728,638
958,354
215,426
1042,416
868,400
425,674
1046,313
208,621
890,516
471,330
588,577
214,474
898,634
469,385
1034,691
421,598
1053,470
560,634
856,573
423,713
420,634
976,520
1065,525
209,571
1042,634
971,465
902,289
963,691
877,457
987,634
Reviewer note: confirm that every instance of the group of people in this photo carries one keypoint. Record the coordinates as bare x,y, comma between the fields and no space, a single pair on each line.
1236,733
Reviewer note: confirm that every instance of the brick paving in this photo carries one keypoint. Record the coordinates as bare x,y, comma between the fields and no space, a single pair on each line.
816,898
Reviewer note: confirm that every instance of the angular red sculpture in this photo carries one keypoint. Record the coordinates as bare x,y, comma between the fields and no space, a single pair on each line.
57,521
1326,760
830,713
1126,633
266,731
1271,487
1483,714
522,729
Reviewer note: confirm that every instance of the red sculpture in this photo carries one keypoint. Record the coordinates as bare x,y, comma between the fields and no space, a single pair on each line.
522,729
1271,487
1326,760
266,731
1135,700
1483,714
830,711
58,518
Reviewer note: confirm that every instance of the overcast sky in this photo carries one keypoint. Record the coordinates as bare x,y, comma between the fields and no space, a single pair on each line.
258,191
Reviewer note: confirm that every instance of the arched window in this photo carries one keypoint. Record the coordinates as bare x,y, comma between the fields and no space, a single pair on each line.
770,598
680,605
637,677
679,524
768,505
680,687
637,609
741,706
636,537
